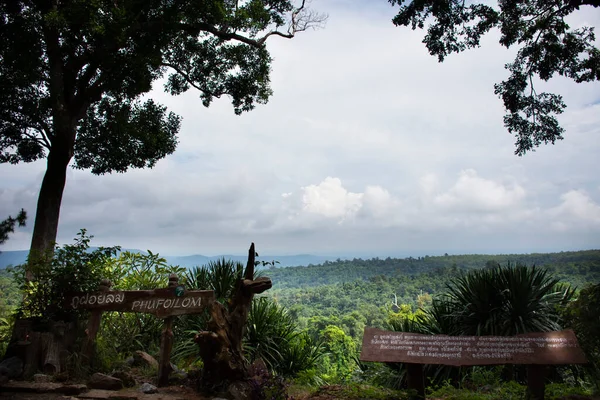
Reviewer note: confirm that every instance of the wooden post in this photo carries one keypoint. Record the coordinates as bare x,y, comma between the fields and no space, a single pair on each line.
415,380
93,326
166,343
536,385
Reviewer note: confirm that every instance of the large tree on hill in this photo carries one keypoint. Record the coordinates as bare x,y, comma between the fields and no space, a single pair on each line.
73,73
547,45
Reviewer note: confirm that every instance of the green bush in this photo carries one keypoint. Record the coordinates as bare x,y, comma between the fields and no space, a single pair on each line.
123,333
583,315
73,268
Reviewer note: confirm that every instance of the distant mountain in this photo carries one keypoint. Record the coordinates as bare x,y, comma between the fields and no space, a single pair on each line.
284,261
12,258
8,258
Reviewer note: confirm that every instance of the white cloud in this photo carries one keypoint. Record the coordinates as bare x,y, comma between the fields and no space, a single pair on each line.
473,194
577,210
330,199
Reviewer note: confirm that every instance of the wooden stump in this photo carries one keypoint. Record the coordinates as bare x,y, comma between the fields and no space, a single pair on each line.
41,345
221,344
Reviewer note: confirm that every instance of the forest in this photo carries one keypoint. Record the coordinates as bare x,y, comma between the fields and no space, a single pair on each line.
308,328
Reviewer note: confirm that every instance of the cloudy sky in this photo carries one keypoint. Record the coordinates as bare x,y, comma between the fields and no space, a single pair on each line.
369,146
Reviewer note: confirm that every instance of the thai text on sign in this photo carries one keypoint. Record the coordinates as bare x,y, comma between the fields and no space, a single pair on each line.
559,347
160,302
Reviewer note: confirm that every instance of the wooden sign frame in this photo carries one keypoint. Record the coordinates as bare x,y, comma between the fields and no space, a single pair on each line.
165,303
536,350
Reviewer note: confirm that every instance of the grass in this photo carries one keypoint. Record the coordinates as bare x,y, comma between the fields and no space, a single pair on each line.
506,391
353,391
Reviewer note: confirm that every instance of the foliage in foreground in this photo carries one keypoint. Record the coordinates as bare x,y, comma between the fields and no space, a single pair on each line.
323,347
503,391
72,269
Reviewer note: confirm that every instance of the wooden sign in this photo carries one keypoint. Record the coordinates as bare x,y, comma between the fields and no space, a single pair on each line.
541,348
160,302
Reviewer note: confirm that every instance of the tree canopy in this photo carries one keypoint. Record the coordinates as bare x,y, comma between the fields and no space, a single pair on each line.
73,74
548,46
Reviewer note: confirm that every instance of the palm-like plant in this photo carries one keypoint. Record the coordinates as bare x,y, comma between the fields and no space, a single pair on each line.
505,301
271,333
498,301
221,276
269,329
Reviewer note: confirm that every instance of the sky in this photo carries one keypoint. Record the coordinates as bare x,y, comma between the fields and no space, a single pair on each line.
368,146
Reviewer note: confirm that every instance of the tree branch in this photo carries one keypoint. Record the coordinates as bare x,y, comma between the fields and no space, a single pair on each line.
302,19
577,3
186,76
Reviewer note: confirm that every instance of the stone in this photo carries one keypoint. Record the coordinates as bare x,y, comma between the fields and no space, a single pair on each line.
258,368
180,375
240,391
177,374
486,388
102,381
99,394
61,376
11,367
141,357
42,378
46,387
147,388
130,361
126,378
73,390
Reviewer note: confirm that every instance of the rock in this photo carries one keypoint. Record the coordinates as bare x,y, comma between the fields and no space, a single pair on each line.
61,377
178,374
240,391
258,368
141,357
97,394
130,361
11,367
73,390
49,387
148,388
102,381
126,378
486,388
42,378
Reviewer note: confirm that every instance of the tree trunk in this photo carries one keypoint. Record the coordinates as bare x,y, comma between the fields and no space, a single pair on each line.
48,207
221,344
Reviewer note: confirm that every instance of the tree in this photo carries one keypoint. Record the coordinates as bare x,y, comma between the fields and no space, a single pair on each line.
8,225
547,46
73,73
